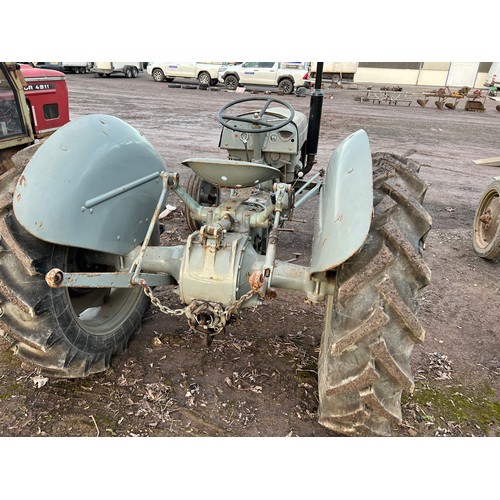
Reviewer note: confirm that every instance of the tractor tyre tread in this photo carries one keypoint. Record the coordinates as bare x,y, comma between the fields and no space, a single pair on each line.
371,324
33,321
28,322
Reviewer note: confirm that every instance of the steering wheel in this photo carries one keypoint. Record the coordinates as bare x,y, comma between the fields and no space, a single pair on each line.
257,118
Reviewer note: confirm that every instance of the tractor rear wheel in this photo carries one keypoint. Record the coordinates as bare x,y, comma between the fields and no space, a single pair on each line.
486,238
371,325
64,332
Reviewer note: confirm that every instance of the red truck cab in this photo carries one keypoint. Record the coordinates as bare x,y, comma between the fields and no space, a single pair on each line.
47,97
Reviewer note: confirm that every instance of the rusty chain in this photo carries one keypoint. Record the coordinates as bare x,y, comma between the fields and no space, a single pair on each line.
236,305
226,313
156,302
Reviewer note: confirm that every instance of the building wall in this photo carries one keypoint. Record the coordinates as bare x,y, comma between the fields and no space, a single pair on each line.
432,77
386,75
418,73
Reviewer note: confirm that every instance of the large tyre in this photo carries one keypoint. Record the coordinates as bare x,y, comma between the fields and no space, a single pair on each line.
486,238
158,75
371,325
62,332
204,78
204,193
231,82
286,86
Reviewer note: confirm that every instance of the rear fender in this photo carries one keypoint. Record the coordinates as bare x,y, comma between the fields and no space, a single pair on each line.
345,204
93,184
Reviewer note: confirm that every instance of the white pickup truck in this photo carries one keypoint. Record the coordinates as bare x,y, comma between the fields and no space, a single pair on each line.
205,72
285,76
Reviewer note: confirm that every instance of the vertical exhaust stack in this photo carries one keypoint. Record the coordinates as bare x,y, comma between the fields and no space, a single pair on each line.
315,109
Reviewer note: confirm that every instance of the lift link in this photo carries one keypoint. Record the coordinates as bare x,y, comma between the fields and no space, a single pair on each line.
168,180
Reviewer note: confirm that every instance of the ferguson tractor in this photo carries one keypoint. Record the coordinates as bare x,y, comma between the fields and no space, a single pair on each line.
80,258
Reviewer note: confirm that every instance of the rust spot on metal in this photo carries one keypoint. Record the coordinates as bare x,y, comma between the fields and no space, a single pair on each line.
18,197
54,277
256,280
22,180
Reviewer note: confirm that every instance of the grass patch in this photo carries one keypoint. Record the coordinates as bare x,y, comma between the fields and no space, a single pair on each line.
458,405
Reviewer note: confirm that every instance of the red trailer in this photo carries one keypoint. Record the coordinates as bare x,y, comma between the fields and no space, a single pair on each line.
47,96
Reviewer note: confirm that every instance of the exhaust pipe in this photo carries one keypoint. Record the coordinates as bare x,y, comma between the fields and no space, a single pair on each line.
315,109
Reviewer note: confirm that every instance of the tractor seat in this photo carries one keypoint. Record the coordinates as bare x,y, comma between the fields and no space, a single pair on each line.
231,173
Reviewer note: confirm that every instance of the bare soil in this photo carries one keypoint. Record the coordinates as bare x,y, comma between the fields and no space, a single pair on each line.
260,378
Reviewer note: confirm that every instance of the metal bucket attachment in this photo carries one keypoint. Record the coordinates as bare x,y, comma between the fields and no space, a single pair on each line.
474,106
422,102
440,104
450,105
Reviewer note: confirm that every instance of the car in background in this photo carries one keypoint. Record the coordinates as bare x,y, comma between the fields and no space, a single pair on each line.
286,76
205,72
